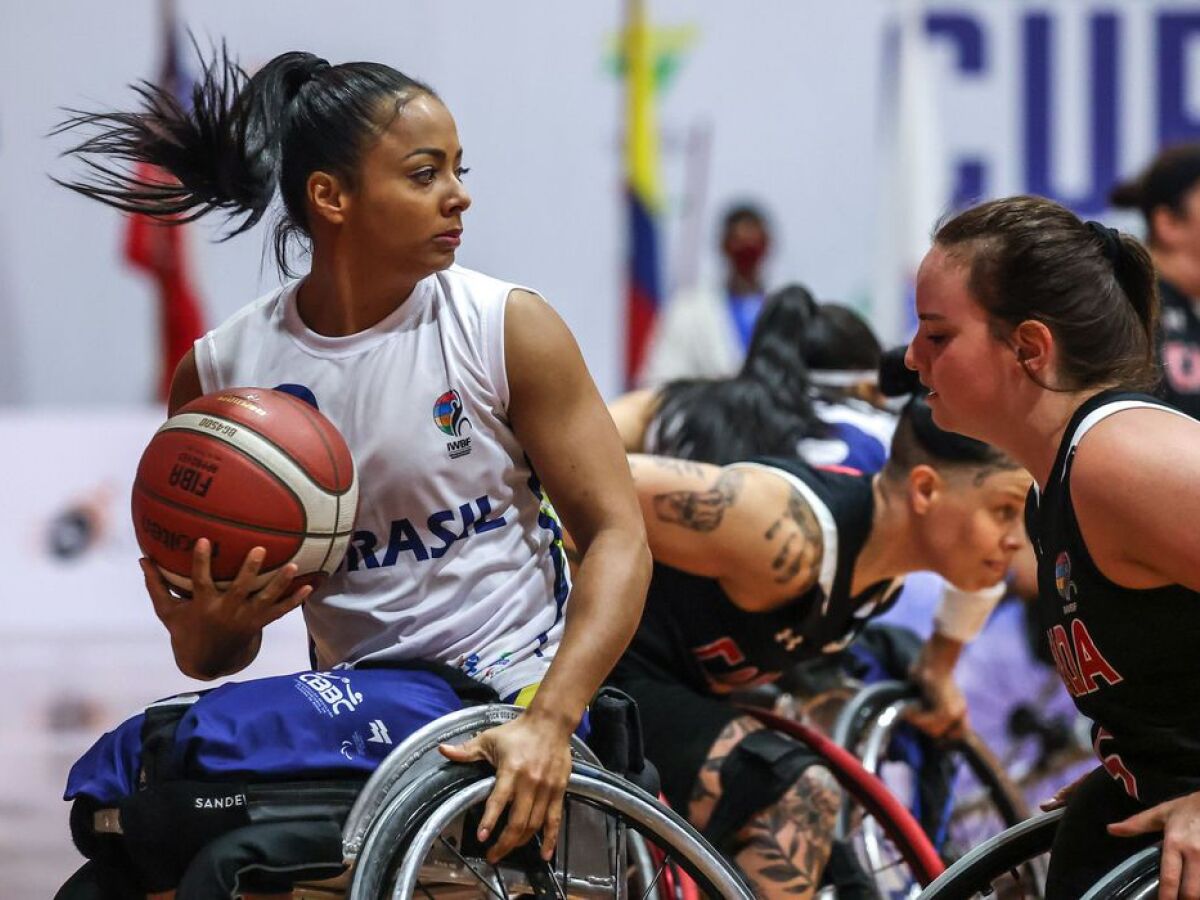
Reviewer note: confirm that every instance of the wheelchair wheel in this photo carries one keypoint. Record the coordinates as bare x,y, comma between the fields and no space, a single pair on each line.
1134,879
959,791
910,859
617,841
1007,866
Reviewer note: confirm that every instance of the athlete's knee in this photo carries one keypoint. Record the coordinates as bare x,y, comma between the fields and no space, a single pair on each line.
812,803
711,781
763,769
818,789
783,849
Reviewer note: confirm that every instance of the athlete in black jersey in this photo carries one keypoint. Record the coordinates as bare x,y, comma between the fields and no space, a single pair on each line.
764,564
1179,345
1168,196
1034,328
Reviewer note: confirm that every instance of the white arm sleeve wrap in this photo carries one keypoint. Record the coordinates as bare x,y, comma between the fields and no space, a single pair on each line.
961,615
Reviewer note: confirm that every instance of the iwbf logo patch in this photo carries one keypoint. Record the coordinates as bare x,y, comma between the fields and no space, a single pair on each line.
448,417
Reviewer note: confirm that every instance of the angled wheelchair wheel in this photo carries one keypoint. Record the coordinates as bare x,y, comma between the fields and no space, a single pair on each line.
617,841
1006,867
1134,879
417,757
906,859
958,790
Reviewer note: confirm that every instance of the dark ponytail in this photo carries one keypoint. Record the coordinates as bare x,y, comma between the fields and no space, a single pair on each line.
764,410
1134,271
215,154
240,139
1164,184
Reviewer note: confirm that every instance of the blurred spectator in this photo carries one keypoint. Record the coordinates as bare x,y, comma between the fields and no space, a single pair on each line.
705,330
1168,195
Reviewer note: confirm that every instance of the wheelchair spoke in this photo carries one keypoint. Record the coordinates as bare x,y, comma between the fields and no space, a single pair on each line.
500,880
657,875
564,844
466,862
426,860
537,839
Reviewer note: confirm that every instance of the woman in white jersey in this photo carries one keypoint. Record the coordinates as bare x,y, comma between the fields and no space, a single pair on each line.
460,396
1036,333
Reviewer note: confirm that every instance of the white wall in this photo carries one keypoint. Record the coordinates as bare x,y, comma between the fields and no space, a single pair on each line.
788,89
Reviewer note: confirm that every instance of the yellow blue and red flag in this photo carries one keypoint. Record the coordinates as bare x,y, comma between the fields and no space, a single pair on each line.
642,187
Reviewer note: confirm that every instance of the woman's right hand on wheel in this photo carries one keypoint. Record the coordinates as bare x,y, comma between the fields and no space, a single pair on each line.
532,759
213,627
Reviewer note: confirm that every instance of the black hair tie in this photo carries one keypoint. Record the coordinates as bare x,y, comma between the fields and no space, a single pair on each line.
1110,243
315,68
308,69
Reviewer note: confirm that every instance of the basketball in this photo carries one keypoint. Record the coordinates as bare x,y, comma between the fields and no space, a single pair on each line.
245,468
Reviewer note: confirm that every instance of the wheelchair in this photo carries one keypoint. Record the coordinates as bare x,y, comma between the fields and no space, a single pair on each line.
409,835
410,832
912,805
1001,868
957,789
408,829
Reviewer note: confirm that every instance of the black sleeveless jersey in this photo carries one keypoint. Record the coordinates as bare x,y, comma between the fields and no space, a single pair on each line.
1129,658
692,630
1179,350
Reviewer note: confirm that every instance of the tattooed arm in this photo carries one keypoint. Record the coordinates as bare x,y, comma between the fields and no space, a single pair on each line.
747,527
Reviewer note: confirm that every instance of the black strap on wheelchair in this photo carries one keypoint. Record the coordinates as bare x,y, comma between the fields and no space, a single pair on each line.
169,818
616,736
159,761
165,825
756,773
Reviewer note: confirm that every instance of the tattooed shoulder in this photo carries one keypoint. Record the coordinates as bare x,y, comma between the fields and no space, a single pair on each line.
641,463
700,510
798,541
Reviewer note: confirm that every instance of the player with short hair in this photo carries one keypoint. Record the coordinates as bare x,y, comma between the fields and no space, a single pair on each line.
763,565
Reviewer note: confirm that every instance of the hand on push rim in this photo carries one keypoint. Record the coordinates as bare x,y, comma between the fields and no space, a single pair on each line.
532,763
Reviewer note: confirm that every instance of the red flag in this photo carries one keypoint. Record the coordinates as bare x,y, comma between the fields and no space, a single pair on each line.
160,250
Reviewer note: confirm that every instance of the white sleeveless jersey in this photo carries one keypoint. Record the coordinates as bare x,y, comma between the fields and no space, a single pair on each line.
456,555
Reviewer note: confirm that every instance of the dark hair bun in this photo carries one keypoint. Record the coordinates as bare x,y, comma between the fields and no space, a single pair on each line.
895,378
1128,195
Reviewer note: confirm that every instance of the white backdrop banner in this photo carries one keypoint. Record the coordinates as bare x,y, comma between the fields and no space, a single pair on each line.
770,100
83,649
